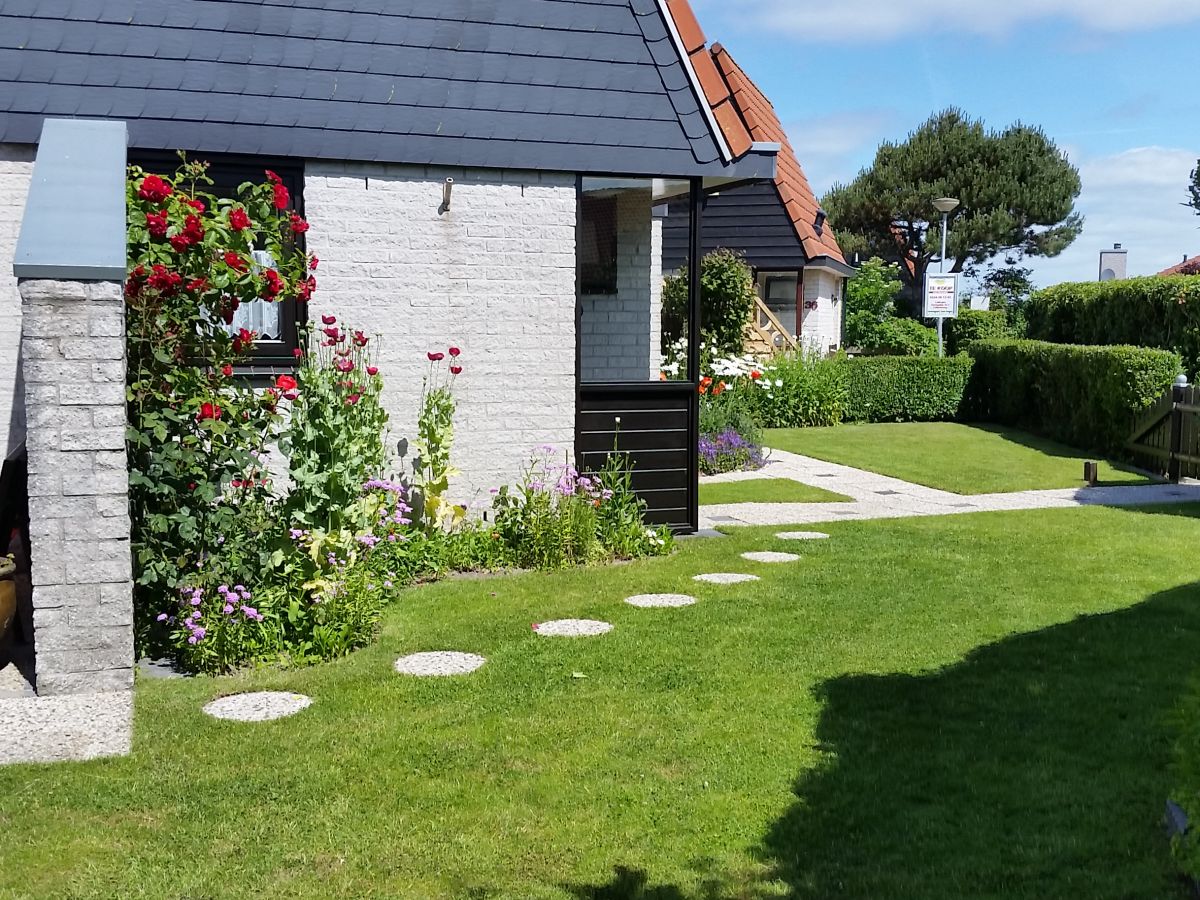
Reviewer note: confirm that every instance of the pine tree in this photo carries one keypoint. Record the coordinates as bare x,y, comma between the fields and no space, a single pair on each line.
1017,193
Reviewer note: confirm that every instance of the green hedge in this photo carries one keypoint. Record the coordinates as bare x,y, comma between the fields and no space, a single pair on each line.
974,325
1158,311
904,389
1088,397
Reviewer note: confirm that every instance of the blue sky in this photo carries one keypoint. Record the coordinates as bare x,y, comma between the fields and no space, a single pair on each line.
1116,85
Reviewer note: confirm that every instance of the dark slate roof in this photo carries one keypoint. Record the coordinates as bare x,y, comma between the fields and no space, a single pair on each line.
747,218
569,85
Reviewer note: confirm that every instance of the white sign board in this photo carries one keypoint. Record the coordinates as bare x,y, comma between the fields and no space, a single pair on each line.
941,296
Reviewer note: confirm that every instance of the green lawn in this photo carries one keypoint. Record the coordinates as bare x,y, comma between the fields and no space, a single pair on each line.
766,490
965,459
967,706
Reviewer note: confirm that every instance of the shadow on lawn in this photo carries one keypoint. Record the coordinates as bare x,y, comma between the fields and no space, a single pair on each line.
1036,767
1049,447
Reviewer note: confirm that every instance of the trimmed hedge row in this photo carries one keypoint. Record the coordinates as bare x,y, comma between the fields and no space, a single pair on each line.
972,325
1086,396
904,388
1158,311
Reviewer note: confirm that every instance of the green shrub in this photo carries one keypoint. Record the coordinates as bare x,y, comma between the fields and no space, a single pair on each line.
975,325
1158,311
726,300
1087,397
797,390
904,389
902,337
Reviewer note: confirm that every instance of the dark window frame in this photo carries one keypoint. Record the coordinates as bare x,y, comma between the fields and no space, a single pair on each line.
602,281
267,358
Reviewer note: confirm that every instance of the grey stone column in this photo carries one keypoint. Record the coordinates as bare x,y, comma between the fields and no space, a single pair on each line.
73,361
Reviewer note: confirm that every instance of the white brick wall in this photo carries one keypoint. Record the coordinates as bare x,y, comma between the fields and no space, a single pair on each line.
821,328
620,335
16,170
495,276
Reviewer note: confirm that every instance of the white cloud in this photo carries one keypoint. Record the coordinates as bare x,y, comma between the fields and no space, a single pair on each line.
860,20
1132,198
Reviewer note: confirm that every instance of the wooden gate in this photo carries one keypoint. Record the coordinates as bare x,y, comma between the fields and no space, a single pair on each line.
655,425
1167,440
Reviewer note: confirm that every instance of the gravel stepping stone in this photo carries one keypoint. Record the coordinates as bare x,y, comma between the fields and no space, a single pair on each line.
572,628
436,663
802,535
770,556
724,578
259,706
660,601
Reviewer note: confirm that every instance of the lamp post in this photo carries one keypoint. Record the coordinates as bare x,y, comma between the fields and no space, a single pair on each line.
944,205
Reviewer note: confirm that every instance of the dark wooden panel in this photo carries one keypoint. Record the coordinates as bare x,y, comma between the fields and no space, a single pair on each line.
641,460
661,439
633,421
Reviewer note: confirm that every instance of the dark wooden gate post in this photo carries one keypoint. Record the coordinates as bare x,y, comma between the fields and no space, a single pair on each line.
1178,397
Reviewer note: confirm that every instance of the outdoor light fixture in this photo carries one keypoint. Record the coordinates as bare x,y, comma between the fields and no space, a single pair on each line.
447,190
945,205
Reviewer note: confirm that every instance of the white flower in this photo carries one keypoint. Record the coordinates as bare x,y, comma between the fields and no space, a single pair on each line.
778,382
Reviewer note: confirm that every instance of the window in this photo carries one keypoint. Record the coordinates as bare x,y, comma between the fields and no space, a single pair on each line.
598,245
276,323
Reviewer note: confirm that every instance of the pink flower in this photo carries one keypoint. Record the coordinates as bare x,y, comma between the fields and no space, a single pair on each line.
352,399
297,352
372,370
436,357
456,370
330,332
344,365
454,351
328,320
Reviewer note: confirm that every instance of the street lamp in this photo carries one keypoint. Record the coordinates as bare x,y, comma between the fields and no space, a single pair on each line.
944,205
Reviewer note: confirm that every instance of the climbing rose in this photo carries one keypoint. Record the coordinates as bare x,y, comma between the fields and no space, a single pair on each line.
234,261
282,198
197,205
238,220
313,263
299,226
154,189
156,223
244,339
208,411
272,177
197,285
180,242
286,383
227,370
274,284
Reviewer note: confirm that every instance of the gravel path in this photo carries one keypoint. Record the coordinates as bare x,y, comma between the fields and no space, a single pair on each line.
880,497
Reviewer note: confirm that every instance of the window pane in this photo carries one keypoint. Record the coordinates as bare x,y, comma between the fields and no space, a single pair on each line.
627,331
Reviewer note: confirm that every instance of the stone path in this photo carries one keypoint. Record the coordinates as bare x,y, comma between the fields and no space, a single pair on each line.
880,497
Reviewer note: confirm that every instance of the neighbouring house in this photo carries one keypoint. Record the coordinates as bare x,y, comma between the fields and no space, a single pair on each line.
475,172
1187,267
778,225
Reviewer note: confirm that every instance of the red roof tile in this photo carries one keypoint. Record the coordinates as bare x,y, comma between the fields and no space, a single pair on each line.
1187,267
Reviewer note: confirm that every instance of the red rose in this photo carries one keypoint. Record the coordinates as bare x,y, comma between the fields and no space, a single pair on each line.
244,339
156,223
234,261
163,280
372,370
193,229
282,198
238,220
272,177
274,284
197,205
454,351
305,288
286,383
227,370
197,286
208,411
312,263
154,189
328,320
180,242
456,370
436,357
230,307
299,226
191,485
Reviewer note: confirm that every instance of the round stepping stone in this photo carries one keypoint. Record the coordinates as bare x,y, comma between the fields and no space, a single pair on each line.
724,578
770,556
572,628
660,601
802,535
437,663
259,706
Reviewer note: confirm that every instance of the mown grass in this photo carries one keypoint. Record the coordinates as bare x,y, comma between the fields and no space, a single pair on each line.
968,706
766,490
964,459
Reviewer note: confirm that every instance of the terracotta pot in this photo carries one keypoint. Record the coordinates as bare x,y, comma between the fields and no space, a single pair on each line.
8,594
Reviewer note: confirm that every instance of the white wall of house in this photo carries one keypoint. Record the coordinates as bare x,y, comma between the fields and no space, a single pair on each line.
495,275
620,334
16,170
821,328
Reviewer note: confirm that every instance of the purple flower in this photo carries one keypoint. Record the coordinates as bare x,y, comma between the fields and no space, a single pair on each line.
227,608
162,617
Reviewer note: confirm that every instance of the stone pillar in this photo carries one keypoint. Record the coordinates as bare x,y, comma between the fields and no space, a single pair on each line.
73,360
